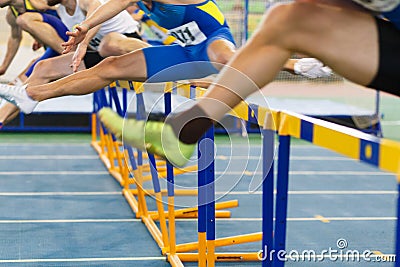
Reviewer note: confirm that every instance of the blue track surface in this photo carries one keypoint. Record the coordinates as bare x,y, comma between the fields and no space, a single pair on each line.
60,207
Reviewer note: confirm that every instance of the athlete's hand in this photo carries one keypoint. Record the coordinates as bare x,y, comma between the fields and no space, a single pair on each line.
311,68
75,37
36,45
78,56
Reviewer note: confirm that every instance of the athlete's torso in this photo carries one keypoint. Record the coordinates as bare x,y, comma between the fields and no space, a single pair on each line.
122,23
206,15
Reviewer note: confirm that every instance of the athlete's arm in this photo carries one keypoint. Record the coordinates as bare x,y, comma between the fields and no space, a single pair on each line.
14,41
89,6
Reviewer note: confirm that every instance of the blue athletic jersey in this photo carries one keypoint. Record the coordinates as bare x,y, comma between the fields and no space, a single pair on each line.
207,15
195,27
393,16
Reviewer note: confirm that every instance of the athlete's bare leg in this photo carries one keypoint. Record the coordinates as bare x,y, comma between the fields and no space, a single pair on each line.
8,112
52,69
115,44
44,72
346,40
131,66
32,22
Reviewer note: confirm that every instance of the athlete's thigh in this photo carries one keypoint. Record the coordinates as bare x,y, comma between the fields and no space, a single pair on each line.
130,66
29,16
54,68
344,39
114,44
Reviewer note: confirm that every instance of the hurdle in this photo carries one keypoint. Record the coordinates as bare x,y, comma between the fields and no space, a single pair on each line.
381,153
207,209
109,151
267,119
207,241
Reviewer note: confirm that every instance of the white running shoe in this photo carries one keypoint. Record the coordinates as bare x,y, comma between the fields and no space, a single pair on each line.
312,68
17,95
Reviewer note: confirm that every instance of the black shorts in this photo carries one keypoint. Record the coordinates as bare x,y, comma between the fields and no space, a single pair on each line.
388,77
92,58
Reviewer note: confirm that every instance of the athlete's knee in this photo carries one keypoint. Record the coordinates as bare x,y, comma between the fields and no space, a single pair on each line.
25,20
126,67
220,52
43,70
109,66
115,44
222,57
108,46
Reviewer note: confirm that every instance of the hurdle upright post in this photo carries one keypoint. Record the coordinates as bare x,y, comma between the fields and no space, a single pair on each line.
206,200
170,189
281,199
210,179
202,203
161,237
268,144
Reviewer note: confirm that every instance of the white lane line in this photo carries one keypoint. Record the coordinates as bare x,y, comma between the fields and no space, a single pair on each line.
60,193
54,173
306,146
44,144
313,219
302,158
338,173
345,219
219,157
297,192
294,258
70,221
46,157
299,219
316,192
83,259
244,172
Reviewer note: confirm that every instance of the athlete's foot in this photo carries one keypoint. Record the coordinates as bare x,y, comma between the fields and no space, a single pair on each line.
156,137
17,95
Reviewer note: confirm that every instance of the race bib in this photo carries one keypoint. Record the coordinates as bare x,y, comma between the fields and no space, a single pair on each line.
379,5
94,43
188,34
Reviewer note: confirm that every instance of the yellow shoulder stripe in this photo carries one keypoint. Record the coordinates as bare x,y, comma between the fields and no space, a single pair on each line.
212,9
14,11
28,5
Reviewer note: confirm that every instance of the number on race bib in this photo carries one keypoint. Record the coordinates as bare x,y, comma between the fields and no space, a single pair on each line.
188,34
95,42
